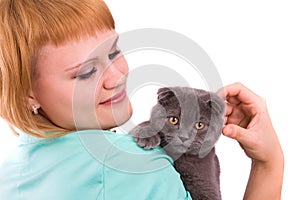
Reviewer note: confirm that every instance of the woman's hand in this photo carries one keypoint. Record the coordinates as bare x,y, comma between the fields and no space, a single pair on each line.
247,121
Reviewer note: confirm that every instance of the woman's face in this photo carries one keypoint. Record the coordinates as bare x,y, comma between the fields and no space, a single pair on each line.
82,84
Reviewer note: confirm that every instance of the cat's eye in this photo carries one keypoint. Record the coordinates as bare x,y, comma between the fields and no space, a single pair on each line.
199,125
173,120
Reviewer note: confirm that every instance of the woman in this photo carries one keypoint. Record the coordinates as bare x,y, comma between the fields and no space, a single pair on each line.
63,81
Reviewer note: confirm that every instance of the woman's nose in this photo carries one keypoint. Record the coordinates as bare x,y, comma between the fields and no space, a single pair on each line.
114,77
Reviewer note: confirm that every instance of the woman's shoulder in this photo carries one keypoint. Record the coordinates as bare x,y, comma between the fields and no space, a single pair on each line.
120,151
142,174
100,144
93,163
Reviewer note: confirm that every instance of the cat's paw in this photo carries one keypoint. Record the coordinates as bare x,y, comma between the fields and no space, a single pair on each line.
148,142
145,135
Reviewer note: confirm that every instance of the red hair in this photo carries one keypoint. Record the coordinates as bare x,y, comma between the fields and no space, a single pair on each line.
25,27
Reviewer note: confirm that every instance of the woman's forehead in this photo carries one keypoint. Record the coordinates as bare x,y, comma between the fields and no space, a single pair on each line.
75,52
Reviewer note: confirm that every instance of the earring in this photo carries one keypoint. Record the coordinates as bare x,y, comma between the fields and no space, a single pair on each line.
35,110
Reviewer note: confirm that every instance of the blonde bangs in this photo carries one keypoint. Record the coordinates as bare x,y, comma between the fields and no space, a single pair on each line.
26,26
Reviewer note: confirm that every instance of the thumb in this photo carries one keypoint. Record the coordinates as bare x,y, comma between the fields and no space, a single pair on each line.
235,132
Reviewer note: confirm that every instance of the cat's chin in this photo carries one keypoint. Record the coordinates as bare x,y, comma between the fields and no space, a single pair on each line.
176,149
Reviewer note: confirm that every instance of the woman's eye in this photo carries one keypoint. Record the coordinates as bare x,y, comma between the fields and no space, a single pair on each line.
199,125
87,75
173,120
114,54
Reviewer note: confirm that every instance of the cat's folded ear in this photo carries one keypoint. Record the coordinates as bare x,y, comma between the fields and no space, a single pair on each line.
164,94
217,104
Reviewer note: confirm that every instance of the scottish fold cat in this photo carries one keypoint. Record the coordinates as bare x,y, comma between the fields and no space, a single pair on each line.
187,123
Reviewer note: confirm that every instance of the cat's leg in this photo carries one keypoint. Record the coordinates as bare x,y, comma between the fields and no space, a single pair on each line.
145,135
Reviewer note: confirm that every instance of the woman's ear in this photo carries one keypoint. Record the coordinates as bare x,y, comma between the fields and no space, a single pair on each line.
33,103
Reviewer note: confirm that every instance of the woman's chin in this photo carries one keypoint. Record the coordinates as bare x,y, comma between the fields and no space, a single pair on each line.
116,117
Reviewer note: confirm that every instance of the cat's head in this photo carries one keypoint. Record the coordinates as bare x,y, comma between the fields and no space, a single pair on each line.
193,120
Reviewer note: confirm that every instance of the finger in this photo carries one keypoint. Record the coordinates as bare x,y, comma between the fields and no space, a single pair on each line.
235,132
244,122
233,100
236,116
228,109
238,91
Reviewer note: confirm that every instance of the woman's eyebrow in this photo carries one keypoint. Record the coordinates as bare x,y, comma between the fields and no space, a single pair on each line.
92,59
80,64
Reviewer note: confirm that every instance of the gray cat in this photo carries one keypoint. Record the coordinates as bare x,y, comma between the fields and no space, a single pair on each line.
187,122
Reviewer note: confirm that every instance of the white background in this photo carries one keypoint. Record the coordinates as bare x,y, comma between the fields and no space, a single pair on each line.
253,42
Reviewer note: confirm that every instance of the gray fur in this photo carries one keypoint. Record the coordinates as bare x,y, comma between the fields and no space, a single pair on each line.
192,149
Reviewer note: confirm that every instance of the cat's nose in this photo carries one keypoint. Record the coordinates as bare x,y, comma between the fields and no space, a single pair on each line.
183,139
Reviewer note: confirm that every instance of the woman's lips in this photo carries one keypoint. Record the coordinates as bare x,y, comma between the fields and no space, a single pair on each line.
115,99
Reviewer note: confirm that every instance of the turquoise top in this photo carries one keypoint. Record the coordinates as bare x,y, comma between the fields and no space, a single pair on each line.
88,165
